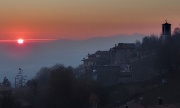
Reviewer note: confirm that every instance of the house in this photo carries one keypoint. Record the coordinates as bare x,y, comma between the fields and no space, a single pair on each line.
100,58
116,56
132,105
123,53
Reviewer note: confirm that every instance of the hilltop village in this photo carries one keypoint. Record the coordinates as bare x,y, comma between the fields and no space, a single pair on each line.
125,62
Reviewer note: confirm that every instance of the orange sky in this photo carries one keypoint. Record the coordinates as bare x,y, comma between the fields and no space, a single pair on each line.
79,19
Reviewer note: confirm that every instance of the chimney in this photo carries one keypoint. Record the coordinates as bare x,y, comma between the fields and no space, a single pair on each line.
126,106
118,103
160,100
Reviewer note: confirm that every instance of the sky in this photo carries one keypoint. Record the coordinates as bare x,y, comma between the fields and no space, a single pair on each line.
41,20
81,19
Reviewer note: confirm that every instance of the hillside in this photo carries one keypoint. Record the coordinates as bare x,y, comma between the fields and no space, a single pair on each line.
147,92
169,92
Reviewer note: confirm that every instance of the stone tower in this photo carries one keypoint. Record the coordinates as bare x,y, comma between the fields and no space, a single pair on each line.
166,30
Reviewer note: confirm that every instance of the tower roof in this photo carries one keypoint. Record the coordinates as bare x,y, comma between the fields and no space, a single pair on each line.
166,23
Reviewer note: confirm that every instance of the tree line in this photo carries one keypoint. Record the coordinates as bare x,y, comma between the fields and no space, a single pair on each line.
167,51
57,87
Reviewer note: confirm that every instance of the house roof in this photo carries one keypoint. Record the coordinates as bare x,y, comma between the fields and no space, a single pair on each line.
90,59
125,46
165,106
166,23
133,105
102,52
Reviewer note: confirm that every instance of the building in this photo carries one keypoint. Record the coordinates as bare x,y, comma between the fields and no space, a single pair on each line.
121,64
119,55
100,58
166,31
124,52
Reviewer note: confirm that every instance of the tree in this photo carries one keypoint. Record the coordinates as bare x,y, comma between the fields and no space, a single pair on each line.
176,31
61,82
138,43
79,70
176,37
53,87
150,43
6,82
168,53
57,87
32,84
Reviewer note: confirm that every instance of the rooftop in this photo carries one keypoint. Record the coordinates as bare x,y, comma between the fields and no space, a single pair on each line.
125,46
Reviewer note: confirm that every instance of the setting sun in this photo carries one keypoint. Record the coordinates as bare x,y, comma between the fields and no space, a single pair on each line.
20,41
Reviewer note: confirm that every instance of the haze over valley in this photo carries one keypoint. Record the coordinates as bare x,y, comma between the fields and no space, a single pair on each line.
31,56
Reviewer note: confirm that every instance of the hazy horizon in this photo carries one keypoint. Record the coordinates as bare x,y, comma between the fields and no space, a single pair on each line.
31,56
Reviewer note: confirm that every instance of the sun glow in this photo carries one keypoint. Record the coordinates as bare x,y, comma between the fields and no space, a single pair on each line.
20,41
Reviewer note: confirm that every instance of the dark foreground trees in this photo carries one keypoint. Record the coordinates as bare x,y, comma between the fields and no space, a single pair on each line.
56,87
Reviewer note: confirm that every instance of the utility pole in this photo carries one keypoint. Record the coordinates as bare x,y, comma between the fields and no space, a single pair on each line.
20,79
